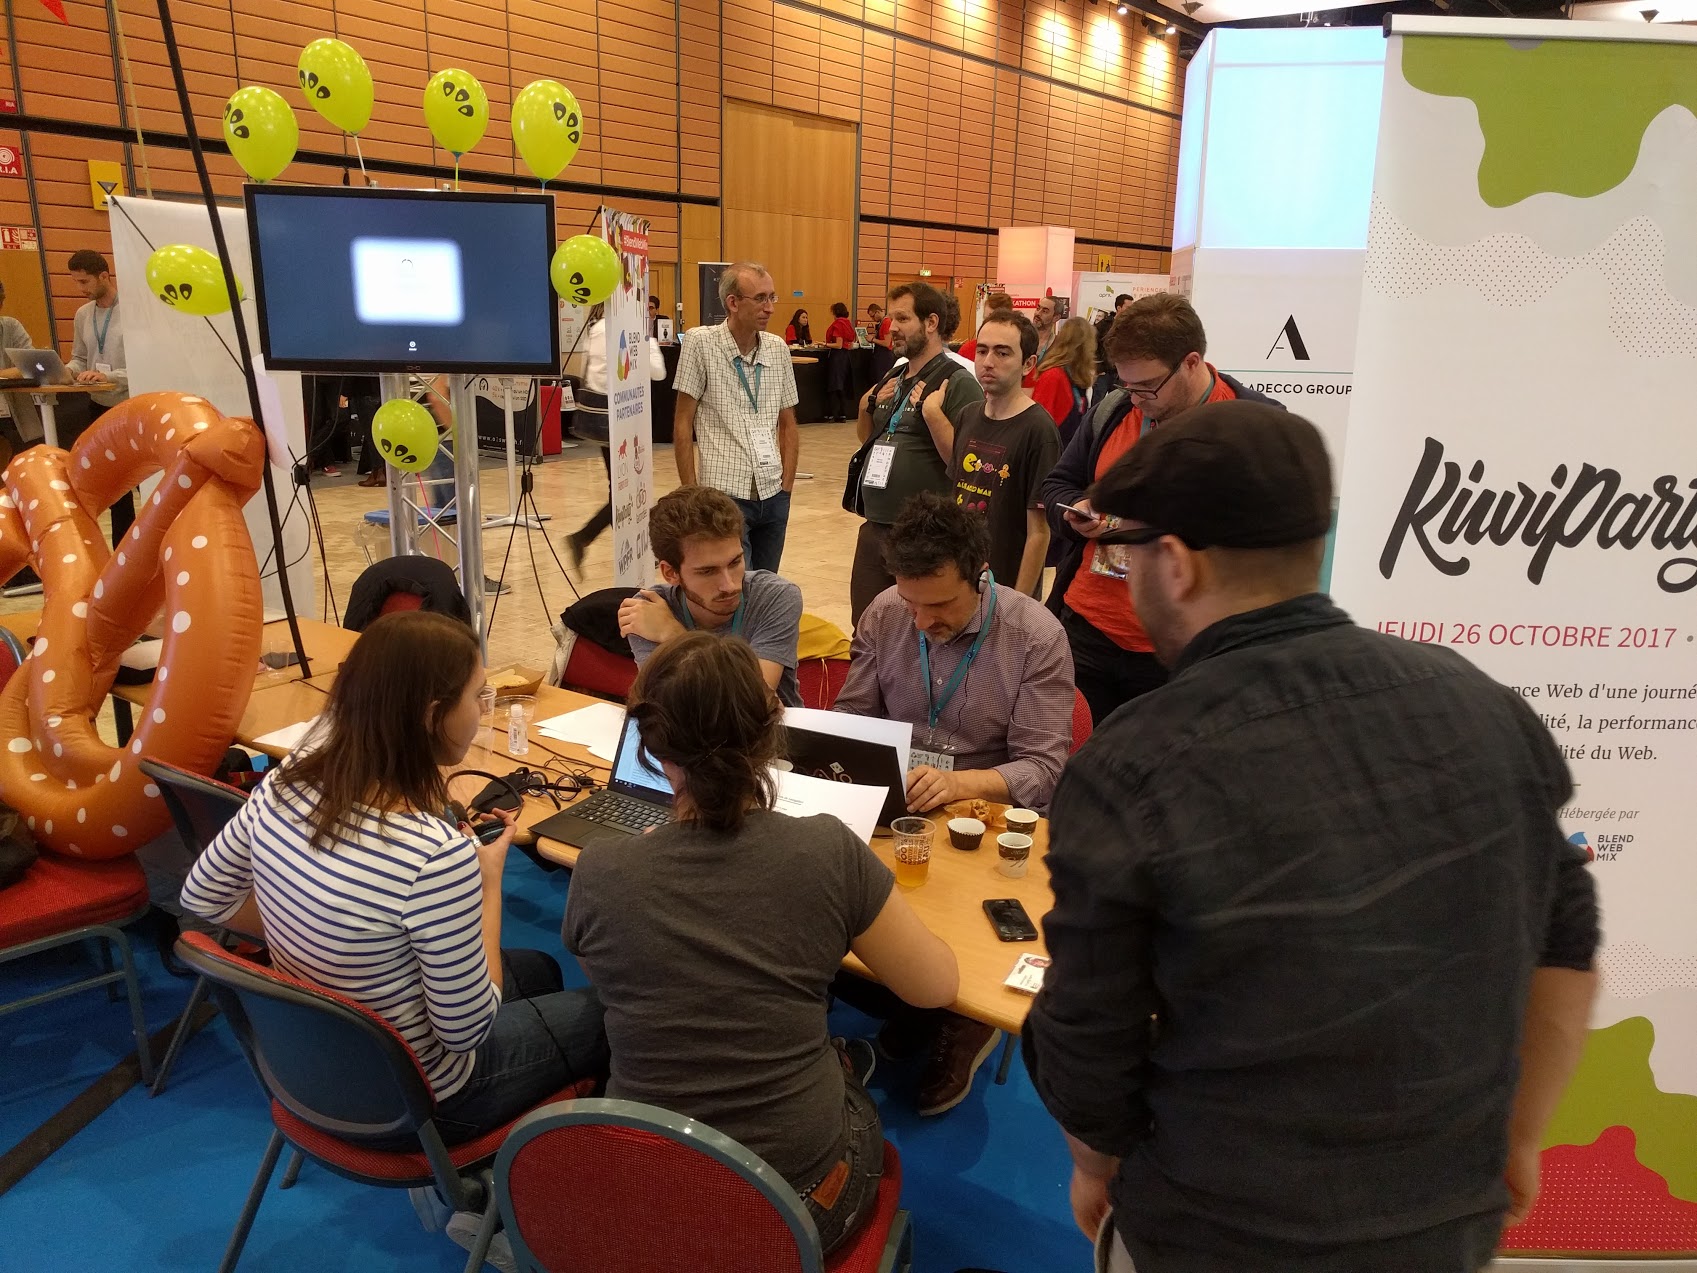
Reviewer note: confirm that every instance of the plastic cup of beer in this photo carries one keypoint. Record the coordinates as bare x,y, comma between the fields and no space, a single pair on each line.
913,850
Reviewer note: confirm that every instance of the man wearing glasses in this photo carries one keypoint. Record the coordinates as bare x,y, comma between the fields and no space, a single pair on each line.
1156,346
736,404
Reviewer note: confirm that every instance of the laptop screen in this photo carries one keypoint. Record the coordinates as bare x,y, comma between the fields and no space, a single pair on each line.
631,769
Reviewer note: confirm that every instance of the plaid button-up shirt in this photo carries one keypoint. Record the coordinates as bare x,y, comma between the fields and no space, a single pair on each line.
737,419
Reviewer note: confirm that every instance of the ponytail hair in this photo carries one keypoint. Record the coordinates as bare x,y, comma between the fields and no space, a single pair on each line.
701,705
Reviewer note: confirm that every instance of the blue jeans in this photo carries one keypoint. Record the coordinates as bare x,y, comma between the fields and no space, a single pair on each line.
854,1179
543,1038
765,522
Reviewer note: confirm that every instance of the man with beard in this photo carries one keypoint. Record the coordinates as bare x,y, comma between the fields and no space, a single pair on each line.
1156,345
1321,952
907,430
982,674
697,536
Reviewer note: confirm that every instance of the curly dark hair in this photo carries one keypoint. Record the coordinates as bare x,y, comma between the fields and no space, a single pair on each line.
932,531
1162,327
701,704
687,513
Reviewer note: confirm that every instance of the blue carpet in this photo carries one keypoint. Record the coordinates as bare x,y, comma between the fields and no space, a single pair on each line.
156,1184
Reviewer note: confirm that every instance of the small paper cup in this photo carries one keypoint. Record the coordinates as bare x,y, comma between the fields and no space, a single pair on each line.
1021,821
965,833
1013,850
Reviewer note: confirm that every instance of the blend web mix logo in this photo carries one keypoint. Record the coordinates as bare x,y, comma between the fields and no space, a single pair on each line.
623,368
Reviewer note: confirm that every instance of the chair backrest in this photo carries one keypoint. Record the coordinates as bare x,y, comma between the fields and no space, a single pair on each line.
12,654
590,1185
820,681
199,806
593,670
431,581
402,601
1082,725
329,1061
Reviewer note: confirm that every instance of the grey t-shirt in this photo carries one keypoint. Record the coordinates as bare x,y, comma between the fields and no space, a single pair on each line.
713,956
771,623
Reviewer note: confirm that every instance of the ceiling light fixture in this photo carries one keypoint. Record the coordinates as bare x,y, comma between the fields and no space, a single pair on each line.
1171,29
1123,10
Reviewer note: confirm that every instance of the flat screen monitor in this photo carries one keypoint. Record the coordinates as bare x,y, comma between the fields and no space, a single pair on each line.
403,280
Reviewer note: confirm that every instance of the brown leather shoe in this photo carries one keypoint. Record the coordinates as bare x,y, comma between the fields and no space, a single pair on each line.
960,1047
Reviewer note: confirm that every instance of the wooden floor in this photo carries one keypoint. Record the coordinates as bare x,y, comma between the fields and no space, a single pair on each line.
568,489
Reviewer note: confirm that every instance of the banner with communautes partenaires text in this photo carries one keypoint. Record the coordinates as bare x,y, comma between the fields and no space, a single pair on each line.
629,413
1520,484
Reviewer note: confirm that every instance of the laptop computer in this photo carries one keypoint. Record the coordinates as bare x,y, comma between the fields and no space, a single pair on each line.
40,366
866,762
638,798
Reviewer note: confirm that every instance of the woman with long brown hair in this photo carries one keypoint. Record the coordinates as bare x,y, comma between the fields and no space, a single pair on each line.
346,862
1065,374
713,940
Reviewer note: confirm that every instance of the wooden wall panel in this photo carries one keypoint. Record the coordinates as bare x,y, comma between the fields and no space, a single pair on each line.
1075,124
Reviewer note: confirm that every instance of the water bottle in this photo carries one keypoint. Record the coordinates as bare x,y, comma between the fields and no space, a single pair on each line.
518,735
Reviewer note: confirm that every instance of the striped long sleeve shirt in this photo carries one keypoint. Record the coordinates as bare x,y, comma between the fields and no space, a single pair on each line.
389,915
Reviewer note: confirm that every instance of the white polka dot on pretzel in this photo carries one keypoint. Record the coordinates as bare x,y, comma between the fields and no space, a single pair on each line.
80,609
182,578
199,541
180,621
165,419
47,676
57,485
82,815
38,777
117,768
150,791
158,715
120,832
111,455
68,558
185,481
123,560
20,746
87,463
169,434
53,722
40,647
99,589
48,826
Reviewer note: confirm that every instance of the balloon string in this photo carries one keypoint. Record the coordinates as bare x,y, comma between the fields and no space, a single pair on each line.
364,180
456,174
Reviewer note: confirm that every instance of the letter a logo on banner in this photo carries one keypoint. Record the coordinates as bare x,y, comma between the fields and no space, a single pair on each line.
1288,335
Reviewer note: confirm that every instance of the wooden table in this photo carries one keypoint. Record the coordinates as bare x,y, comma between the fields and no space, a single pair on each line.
951,904
45,396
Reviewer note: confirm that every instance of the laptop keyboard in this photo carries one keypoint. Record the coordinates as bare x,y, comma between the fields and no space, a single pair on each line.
612,809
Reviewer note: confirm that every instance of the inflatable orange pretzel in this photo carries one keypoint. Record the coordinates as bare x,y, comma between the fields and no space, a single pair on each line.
189,555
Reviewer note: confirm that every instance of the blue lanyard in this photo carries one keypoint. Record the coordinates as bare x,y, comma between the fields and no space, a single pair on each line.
754,393
736,619
959,676
100,332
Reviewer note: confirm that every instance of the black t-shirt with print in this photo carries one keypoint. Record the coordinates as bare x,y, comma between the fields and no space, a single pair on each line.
997,469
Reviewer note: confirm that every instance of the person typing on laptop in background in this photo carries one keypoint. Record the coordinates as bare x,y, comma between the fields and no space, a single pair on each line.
15,423
97,347
697,533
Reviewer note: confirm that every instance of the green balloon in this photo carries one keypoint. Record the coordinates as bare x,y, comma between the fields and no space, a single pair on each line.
457,110
547,127
189,279
585,270
337,82
406,434
260,130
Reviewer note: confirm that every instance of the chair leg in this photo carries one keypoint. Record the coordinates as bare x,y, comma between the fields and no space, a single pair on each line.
292,1172
255,1196
138,1022
1006,1063
179,1035
485,1235
103,952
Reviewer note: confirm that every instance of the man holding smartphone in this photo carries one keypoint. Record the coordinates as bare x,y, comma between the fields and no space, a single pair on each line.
1156,346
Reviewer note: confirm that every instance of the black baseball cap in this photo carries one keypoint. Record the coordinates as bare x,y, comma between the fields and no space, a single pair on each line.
1231,474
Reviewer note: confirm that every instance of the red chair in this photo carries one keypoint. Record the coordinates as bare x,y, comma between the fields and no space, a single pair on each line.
59,902
343,1086
589,1186
1082,725
592,670
200,808
820,681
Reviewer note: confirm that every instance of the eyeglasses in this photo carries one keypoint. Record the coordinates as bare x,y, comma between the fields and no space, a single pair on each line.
765,298
1147,394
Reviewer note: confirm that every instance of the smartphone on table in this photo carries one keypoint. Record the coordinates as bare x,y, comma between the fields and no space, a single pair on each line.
1008,917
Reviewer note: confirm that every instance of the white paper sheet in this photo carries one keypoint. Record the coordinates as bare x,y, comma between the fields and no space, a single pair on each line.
856,807
872,729
596,727
288,738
